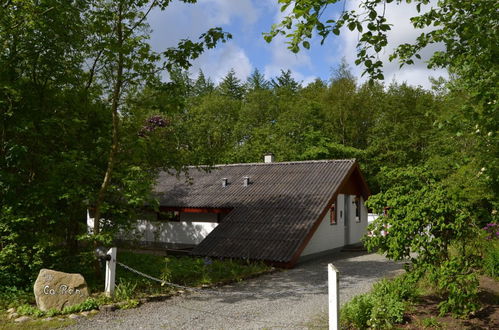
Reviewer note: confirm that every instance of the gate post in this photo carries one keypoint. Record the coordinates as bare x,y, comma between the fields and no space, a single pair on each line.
110,272
334,297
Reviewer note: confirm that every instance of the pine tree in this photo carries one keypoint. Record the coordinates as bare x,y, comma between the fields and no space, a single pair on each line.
231,86
285,82
202,85
257,81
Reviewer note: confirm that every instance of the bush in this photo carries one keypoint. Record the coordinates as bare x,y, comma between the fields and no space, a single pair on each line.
31,310
382,308
388,310
490,263
14,297
125,290
87,305
460,287
357,312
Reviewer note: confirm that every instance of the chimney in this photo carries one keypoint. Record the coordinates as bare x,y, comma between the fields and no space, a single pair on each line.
246,181
225,182
268,158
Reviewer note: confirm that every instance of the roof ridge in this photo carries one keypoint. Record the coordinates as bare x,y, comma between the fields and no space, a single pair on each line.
296,162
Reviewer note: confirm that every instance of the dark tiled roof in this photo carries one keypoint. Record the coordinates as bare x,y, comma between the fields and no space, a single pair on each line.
271,217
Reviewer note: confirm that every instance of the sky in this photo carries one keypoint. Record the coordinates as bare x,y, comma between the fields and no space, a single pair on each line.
246,20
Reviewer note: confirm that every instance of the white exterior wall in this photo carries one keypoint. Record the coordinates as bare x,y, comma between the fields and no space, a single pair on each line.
185,231
328,237
357,229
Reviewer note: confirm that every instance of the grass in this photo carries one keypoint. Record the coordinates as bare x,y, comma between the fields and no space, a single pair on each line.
187,271
36,324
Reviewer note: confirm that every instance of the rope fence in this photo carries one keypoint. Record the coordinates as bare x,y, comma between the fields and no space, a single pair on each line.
218,292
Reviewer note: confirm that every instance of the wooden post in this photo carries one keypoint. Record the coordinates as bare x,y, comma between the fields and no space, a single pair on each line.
110,272
334,297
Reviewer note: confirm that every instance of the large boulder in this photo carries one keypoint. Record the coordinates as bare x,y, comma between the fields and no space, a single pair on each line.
57,290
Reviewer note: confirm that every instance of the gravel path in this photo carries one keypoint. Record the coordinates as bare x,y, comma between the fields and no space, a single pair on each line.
287,299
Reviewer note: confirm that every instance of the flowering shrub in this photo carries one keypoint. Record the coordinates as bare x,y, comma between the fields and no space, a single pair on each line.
152,124
492,230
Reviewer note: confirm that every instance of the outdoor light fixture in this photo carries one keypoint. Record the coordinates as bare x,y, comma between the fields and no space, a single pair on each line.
101,254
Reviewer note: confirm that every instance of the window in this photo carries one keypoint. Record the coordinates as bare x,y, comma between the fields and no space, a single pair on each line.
357,208
332,215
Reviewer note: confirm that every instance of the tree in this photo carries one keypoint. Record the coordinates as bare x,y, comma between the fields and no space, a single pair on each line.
231,86
468,31
257,81
52,133
285,82
466,28
127,60
203,85
68,137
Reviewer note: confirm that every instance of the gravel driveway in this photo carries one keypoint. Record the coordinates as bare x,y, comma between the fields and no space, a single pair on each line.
287,299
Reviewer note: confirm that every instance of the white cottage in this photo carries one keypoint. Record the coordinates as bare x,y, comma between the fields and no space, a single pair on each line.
277,212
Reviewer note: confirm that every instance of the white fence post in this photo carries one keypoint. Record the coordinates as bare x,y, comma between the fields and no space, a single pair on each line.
110,272
334,297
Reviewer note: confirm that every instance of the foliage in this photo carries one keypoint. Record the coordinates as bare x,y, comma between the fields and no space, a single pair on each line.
231,86
426,218
13,297
357,311
197,271
381,308
68,139
87,305
124,290
128,304
430,322
31,310
491,260
490,250
186,271
459,287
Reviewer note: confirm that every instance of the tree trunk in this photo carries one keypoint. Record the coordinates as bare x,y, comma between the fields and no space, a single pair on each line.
115,129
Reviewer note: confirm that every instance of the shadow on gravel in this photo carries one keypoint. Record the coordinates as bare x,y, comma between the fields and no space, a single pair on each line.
308,278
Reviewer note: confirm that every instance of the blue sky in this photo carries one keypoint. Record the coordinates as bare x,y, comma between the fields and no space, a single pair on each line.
247,19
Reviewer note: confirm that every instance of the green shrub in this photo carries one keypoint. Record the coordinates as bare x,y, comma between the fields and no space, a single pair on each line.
87,305
388,310
29,310
491,259
357,312
14,297
430,322
125,290
382,308
457,283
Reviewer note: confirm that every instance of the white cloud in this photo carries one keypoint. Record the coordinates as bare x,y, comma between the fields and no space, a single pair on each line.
216,63
181,20
401,32
224,11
